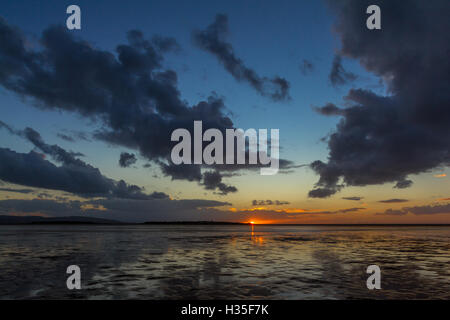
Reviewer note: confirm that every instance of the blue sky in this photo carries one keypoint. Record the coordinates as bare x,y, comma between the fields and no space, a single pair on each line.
261,33
270,37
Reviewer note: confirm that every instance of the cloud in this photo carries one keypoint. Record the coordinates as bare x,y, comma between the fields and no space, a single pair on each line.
65,137
213,41
323,192
25,191
392,212
420,210
269,203
40,207
384,139
306,67
294,211
74,175
393,201
403,184
338,75
127,210
353,198
72,136
164,44
137,102
430,209
182,171
212,180
127,159
330,109
30,169
349,210
55,151
8,128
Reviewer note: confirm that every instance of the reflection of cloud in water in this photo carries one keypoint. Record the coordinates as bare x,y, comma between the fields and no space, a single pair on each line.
223,262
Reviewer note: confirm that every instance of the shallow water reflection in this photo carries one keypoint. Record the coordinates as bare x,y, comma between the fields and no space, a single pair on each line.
224,262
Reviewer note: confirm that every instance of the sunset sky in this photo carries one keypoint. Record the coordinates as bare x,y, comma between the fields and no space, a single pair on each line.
363,114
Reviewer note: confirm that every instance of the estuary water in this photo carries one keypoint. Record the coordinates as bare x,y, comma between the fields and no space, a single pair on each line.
224,262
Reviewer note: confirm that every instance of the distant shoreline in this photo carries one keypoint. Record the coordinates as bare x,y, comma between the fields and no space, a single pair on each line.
80,220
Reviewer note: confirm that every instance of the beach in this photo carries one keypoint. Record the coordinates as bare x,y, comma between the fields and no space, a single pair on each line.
224,261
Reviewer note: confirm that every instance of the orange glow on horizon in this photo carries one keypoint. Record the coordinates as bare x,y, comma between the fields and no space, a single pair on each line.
363,214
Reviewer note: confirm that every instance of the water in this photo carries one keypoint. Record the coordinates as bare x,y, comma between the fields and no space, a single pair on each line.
224,262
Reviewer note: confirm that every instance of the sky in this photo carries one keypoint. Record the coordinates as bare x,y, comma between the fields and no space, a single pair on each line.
86,115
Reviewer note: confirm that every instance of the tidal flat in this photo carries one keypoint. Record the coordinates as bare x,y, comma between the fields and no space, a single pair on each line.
224,262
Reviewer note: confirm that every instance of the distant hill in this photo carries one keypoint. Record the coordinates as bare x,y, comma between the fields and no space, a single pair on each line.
60,220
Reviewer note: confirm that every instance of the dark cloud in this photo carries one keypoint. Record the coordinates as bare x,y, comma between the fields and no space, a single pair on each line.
137,103
213,40
158,195
284,165
182,171
353,198
40,206
31,169
46,195
306,67
419,210
25,191
384,139
392,212
74,175
127,210
393,201
164,44
269,202
72,136
8,128
403,184
430,209
338,75
55,151
127,159
350,210
330,109
212,180
322,192
295,212
65,137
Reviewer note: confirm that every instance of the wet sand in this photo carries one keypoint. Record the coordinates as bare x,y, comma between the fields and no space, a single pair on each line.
224,262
